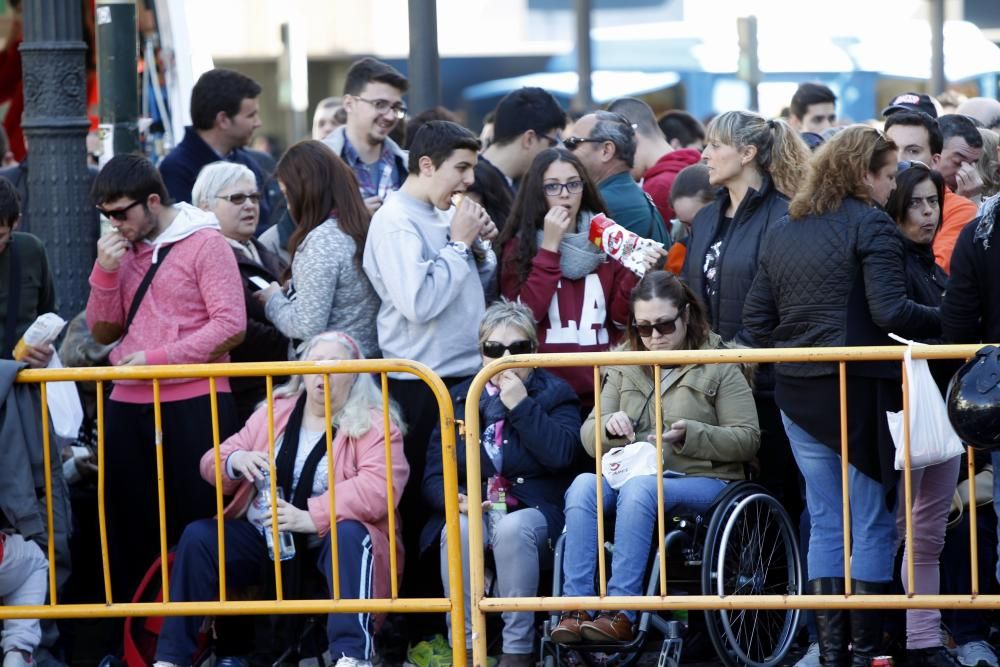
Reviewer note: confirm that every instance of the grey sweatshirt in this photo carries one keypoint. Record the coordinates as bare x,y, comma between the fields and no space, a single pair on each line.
432,295
330,292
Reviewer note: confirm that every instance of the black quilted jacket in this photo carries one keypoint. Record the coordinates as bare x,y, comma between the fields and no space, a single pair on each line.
831,280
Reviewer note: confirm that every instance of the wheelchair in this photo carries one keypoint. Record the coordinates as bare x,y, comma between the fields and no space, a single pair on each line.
745,544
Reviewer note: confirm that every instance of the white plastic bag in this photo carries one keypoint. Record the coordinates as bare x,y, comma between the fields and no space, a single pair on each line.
65,409
623,463
932,439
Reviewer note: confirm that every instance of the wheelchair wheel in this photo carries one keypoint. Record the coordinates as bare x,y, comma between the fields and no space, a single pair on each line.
751,549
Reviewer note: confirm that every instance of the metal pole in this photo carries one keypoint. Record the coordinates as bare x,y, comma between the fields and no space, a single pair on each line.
937,82
118,57
584,100
55,125
425,65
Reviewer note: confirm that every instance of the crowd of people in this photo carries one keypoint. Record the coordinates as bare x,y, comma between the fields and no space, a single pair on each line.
795,231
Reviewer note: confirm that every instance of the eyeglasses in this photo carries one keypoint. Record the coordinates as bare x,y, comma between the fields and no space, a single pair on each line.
556,189
383,106
572,143
119,214
239,198
906,164
663,327
495,350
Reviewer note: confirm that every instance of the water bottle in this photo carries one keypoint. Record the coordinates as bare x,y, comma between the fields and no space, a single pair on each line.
498,510
261,502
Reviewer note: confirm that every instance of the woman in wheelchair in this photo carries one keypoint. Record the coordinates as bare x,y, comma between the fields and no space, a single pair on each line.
530,435
301,464
710,433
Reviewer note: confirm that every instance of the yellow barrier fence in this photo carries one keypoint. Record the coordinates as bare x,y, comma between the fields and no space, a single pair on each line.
223,606
841,356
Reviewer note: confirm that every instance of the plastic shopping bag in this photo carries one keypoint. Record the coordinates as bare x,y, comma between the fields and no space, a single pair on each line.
621,464
65,409
932,439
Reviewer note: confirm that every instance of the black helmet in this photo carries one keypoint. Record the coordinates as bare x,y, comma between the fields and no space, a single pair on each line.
974,399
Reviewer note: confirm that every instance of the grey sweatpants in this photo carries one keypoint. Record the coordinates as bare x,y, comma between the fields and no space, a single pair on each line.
23,582
519,549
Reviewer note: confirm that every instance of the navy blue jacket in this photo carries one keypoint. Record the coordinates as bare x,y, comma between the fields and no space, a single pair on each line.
541,440
180,168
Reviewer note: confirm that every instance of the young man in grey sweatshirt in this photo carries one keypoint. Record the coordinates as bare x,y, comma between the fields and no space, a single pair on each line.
430,261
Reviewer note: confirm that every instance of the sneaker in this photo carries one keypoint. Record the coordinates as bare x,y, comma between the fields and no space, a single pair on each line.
346,661
976,654
17,658
811,658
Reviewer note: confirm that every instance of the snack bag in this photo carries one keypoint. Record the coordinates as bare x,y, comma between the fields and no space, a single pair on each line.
620,244
42,331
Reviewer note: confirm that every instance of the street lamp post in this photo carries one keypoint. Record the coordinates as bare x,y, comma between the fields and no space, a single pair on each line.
55,125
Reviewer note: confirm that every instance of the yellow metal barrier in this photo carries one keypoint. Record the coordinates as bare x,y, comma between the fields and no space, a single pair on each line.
335,604
839,355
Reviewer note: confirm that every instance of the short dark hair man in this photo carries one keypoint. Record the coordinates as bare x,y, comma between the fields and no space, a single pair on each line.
962,148
431,273
813,108
605,143
656,163
526,122
373,100
916,135
224,116
192,312
29,288
682,130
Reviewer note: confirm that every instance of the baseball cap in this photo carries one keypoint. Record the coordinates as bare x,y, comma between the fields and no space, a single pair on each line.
911,102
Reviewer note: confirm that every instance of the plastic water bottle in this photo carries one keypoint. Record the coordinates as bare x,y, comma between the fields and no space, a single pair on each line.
498,510
286,541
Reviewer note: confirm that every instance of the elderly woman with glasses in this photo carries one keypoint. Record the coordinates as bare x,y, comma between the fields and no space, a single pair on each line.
530,425
578,297
229,190
710,432
832,274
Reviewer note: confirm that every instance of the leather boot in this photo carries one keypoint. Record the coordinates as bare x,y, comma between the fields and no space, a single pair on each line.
832,624
866,626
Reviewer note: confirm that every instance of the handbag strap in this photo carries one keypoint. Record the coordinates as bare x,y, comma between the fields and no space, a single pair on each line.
13,299
144,286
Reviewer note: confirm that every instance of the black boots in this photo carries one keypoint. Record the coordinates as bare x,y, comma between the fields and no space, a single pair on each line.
866,626
832,624
931,657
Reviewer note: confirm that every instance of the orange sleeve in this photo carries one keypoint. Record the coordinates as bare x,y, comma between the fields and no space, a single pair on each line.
675,258
956,213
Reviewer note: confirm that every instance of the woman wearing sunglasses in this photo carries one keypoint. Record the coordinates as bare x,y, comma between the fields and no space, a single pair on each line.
530,422
710,432
328,290
915,205
229,190
579,298
832,274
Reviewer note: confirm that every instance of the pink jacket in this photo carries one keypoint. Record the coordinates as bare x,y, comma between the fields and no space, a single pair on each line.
358,474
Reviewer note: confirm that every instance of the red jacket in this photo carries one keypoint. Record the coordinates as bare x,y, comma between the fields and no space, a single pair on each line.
660,178
584,315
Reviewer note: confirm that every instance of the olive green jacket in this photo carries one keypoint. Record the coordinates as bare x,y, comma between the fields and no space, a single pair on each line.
714,400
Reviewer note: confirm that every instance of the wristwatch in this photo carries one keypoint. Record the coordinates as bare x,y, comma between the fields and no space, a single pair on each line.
459,247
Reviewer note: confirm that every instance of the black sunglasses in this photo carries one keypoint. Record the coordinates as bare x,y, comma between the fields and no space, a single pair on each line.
572,143
495,350
663,327
118,214
238,199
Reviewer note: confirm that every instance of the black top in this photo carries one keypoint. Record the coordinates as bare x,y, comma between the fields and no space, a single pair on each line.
971,309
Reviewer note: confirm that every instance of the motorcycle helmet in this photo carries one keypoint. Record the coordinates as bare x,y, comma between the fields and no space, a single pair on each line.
974,399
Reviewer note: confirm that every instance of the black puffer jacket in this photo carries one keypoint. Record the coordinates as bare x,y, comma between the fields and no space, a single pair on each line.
758,211
831,280
971,309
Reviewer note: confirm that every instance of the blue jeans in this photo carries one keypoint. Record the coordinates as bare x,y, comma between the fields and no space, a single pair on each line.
873,525
635,506
195,576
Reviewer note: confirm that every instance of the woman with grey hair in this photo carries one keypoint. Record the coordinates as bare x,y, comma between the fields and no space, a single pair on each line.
530,423
362,511
230,192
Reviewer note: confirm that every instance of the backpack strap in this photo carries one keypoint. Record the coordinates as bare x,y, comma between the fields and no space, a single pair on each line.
144,286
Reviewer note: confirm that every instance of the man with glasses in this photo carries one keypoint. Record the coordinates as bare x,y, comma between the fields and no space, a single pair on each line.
605,143
526,122
166,288
373,100
224,116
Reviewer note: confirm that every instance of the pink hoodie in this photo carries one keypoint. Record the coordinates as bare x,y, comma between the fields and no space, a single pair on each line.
193,311
358,474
